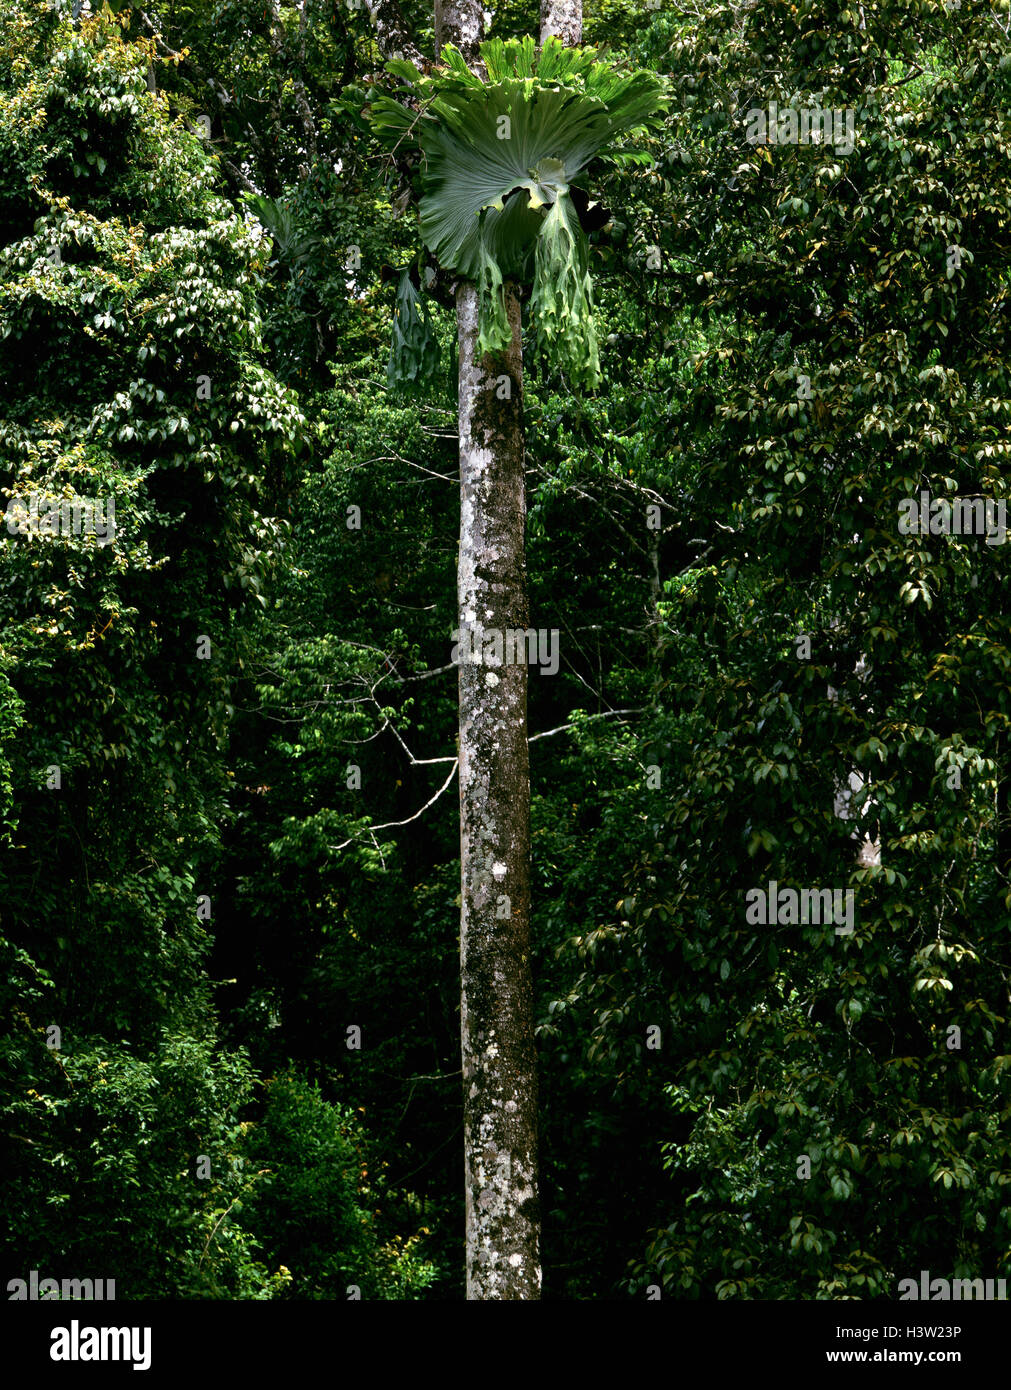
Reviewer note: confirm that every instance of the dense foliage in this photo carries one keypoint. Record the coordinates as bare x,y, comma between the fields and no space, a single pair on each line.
229,868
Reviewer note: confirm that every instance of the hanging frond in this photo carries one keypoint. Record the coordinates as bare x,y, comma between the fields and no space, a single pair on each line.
414,352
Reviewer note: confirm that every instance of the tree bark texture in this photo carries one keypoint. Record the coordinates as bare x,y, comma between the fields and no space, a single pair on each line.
496,994
497,1019
564,19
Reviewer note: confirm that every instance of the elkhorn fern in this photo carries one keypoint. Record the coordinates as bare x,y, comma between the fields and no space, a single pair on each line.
414,352
499,158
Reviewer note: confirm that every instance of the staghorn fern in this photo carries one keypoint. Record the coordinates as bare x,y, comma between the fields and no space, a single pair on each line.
414,352
498,161
561,304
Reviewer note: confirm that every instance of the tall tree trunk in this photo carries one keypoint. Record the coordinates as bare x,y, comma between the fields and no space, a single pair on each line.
496,1016
496,1006
564,18
496,1009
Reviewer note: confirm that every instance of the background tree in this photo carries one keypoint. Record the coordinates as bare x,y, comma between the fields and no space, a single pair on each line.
128,319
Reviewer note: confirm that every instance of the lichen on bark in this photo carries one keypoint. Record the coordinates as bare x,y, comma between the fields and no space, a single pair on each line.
499,1064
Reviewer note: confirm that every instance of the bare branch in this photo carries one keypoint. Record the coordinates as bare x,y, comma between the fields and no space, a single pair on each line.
395,824
564,728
